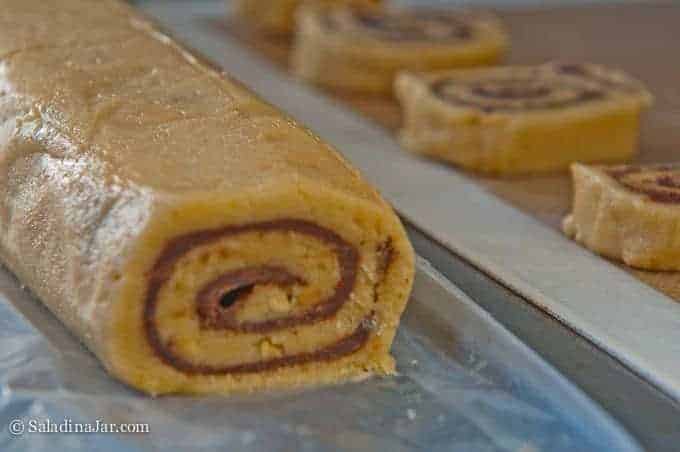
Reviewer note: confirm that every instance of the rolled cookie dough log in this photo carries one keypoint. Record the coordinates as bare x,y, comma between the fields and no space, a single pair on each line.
628,213
522,119
196,239
363,49
278,16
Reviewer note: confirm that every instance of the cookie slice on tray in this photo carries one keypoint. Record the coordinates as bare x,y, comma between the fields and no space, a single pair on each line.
628,213
363,49
522,119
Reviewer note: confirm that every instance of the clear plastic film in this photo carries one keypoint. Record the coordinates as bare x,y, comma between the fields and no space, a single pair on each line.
464,383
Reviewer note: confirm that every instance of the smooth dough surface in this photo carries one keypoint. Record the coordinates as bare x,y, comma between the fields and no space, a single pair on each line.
195,238
522,119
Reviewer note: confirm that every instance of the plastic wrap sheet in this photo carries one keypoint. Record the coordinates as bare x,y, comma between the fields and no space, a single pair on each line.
464,383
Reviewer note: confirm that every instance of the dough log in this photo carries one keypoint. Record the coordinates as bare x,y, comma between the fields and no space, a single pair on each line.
362,49
522,119
195,238
628,213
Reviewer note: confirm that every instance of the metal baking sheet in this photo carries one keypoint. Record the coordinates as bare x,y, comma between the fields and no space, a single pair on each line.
606,305
464,383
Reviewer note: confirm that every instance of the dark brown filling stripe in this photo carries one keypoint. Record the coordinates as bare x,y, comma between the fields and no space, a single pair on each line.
659,183
515,93
416,26
405,25
593,74
235,286
510,92
343,347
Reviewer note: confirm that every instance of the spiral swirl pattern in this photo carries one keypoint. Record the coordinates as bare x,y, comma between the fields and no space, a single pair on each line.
519,90
220,302
404,25
660,183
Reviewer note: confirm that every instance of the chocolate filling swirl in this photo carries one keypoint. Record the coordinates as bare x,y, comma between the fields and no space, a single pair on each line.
220,299
660,183
549,86
609,79
404,25
514,93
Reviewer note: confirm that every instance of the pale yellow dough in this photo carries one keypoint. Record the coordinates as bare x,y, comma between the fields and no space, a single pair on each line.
277,17
116,144
633,217
522,119
362,49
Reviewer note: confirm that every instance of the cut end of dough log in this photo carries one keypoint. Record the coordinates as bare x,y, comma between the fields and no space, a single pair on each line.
299,287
